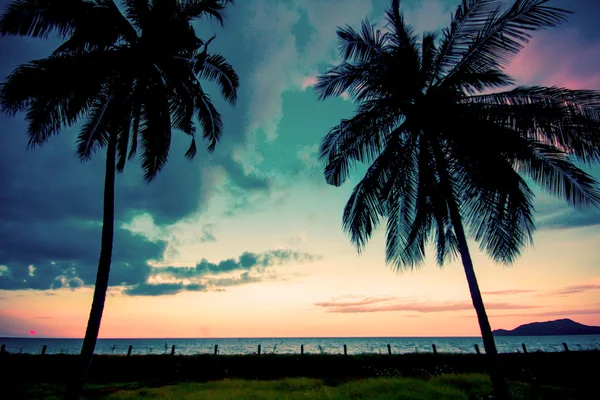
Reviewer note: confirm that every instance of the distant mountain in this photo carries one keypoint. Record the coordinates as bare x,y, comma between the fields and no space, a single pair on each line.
558,327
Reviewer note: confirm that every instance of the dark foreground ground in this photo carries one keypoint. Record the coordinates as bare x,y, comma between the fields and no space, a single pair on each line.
570,375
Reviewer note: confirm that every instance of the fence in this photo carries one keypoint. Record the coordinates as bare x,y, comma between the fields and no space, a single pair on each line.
172,350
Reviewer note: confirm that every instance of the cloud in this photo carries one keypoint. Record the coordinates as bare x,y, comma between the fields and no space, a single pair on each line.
292,39
207,276
576,68
162,289
382,304
244,279
575,289
353,301
246,261
309,81
50,183
507,292
427,15
64,254
207,234
561,314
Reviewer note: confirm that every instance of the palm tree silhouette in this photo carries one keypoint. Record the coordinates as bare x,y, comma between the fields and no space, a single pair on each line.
132,76
444,151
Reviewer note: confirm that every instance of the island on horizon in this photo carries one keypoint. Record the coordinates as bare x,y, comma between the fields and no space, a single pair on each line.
557,327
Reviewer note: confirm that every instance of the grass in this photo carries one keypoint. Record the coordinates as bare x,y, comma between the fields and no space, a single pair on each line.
446,387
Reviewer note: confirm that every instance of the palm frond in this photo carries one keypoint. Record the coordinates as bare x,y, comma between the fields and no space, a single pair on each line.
368,200
568,119
402,35
345,78
429,53
210,119
39,18
504,35
216,68
360,46
103,28
53,91
359,139
193,9
556,173
191,152
94,131
476,81
467,21
418,228
155,132
137,11
499,213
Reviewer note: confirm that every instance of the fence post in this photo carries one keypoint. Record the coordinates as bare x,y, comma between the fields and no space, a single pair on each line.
345,350
301,349
259,349
434,349
524,348
216,349
129,350
389,349
2,348
565,346
477,348
173,350
44,347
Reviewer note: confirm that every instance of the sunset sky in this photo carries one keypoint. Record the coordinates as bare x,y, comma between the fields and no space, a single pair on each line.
247,242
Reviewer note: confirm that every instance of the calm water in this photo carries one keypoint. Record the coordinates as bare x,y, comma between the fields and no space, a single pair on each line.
311,345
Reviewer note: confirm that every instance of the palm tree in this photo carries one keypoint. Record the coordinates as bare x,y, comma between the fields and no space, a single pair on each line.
131,76
444,151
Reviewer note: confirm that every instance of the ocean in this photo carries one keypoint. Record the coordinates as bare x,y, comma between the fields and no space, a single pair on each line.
357,345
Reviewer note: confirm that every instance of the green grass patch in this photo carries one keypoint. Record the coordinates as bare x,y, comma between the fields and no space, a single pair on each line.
445,387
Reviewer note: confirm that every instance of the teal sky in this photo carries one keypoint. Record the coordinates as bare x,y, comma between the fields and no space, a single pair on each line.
247,241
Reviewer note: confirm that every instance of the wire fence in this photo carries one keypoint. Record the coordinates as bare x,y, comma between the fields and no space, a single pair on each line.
172,349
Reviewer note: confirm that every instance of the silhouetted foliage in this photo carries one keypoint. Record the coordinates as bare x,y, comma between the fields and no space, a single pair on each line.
444,150
131,77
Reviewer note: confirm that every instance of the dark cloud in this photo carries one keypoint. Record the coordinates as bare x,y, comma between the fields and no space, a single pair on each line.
507,292
244,262
244,279
374,304
65,254
162,289
206,274
51,204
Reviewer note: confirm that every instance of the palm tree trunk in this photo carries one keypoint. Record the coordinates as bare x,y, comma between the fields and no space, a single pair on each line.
499,384
93,326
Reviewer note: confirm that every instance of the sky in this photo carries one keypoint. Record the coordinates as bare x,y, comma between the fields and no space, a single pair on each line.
247,241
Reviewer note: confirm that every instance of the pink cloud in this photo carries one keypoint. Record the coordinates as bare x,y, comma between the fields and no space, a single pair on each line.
308,81
574,289
564,60
374,304
560,313
507,292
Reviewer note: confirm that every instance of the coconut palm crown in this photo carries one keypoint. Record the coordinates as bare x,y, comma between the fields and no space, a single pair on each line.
446,148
